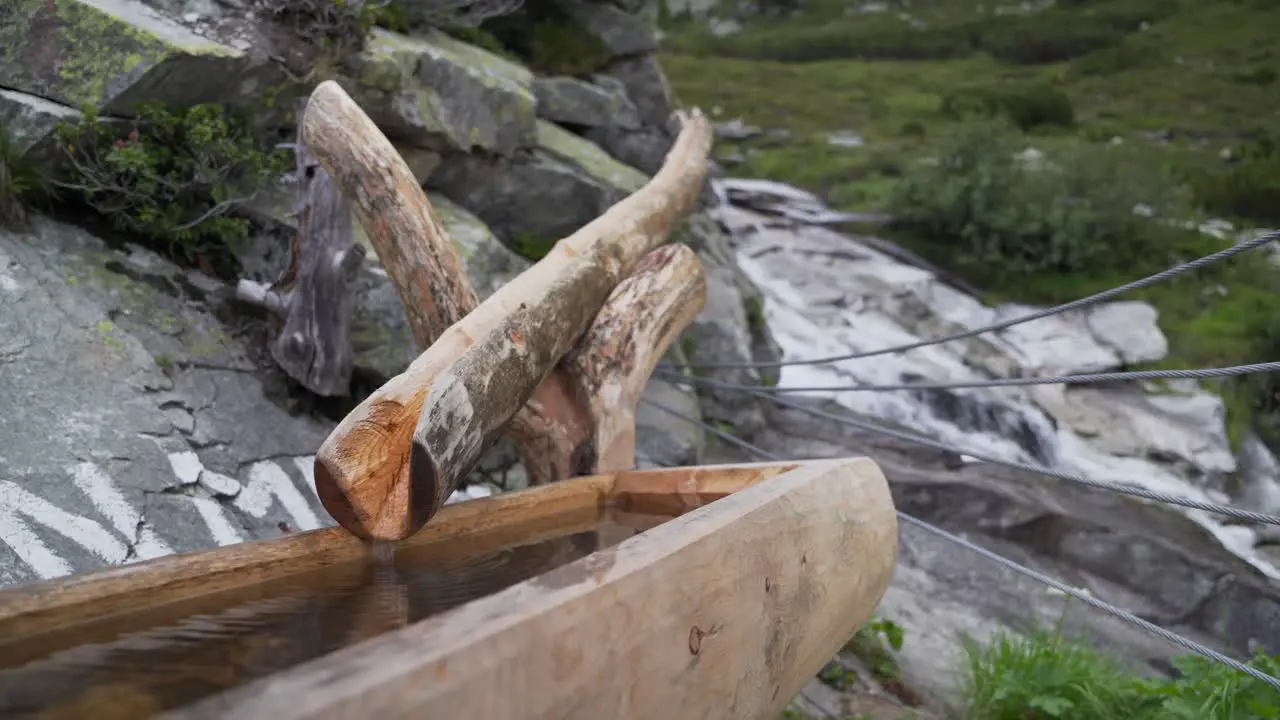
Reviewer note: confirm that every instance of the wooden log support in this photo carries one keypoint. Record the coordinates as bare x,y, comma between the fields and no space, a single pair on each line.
314,297
581,419
484,369
612,363
480,372
724,612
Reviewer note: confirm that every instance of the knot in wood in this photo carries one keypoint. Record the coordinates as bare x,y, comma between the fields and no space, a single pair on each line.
695,639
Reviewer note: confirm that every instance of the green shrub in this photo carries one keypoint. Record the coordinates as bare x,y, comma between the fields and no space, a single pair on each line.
1032,41
1256,75
21,182
912,128
1026,107
1208,690
1118,59
170,175
1248,188
794,42
874,643
1046,676
1068,32
1001,217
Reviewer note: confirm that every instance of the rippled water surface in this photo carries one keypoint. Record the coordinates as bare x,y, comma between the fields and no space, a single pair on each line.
142,663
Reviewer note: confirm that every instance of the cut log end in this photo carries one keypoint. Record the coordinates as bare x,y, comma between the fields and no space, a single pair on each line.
336,502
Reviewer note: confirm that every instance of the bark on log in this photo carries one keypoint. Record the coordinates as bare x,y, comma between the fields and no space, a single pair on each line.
314,296
483,369
581,419
480,371
612,363
415,249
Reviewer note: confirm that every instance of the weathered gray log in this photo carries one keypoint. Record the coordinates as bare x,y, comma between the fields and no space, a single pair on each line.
503,349
314,296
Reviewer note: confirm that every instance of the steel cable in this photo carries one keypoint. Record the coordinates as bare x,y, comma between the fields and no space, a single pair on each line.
1073,305
1195,374
1134,490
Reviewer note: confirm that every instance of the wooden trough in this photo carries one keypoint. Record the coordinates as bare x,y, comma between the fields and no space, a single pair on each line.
600,592
717,609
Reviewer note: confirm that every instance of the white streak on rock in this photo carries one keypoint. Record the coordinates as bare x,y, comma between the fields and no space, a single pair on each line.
107,498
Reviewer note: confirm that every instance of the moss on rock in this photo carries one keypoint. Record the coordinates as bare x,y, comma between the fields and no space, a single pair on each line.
435,91
589,157
106,54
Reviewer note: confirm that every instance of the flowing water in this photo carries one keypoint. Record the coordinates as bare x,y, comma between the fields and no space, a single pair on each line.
161,657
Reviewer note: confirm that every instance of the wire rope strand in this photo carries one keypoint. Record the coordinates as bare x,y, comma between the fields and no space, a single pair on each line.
1174,271
1124,489
1194,374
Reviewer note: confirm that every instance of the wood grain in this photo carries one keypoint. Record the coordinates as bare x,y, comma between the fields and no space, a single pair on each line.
403,229
43,606
610,366
481,371
724,612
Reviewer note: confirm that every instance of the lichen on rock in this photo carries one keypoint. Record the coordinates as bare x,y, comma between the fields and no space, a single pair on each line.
110,54
434,91
571,101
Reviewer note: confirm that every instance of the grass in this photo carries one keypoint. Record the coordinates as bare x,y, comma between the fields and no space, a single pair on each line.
1202,73
1045,675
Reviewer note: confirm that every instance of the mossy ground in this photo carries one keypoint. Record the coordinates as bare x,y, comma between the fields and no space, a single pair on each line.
1203,71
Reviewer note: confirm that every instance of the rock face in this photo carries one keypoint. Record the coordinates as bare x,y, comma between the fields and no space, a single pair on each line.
570,101
30,120
144,430
826,294
381,336
542,196
435,92
113,55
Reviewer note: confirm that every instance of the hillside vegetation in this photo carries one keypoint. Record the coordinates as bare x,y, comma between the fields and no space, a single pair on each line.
1153,115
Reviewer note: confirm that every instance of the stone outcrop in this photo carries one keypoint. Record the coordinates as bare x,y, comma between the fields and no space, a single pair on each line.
601,103
111,56
436,92
535,199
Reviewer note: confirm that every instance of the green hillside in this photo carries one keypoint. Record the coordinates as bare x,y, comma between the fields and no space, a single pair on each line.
1171,104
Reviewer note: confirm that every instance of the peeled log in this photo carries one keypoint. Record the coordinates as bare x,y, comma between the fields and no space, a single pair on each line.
612,363
392,208
581,419
552,431
479,373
